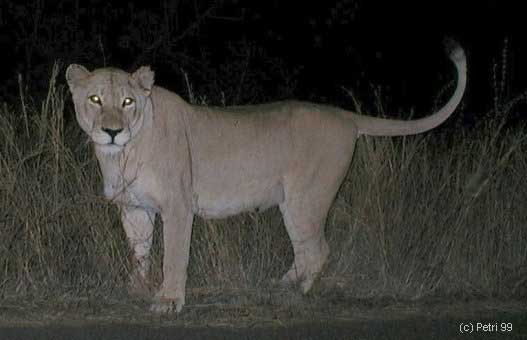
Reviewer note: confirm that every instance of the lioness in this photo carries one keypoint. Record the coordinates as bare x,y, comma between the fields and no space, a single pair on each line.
160,154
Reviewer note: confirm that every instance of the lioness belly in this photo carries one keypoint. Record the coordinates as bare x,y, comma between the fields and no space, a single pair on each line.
238,198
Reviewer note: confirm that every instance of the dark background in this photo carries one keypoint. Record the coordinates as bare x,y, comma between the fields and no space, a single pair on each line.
237,52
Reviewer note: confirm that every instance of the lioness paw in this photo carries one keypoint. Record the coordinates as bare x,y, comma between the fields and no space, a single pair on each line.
138,286
306,284
292,277
165,305
166,301
288,279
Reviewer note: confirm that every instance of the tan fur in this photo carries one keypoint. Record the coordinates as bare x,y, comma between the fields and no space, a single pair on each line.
181,160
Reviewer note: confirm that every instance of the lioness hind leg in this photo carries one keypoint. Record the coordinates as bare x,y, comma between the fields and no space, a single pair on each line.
305,208
309,246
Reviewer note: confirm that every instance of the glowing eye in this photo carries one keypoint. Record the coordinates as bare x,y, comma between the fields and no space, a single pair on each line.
127,101
95,99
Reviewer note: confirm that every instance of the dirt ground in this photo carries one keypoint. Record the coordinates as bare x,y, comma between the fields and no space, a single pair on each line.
279,315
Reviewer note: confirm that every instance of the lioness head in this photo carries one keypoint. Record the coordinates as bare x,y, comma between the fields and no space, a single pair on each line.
110,104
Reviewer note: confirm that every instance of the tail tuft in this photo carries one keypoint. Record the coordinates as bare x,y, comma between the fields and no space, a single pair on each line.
454,50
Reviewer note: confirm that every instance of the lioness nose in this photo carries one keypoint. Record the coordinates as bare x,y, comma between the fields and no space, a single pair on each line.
112,132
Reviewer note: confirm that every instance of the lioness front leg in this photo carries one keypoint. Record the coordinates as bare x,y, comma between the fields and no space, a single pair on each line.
138,225
177,230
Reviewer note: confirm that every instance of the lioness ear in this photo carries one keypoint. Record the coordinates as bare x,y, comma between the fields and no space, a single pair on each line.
76,73
144,77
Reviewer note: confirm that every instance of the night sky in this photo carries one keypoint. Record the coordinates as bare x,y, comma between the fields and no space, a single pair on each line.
288,49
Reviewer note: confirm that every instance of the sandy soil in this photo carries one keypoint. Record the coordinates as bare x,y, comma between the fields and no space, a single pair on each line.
238,316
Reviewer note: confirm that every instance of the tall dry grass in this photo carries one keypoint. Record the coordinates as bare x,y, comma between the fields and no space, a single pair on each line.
441,213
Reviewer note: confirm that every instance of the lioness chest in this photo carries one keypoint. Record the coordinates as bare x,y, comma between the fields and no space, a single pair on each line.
130,181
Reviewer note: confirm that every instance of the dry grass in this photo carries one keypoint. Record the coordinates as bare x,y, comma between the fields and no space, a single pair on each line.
416,217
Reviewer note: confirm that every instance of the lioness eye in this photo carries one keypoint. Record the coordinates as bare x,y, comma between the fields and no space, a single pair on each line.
127,101
95,99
